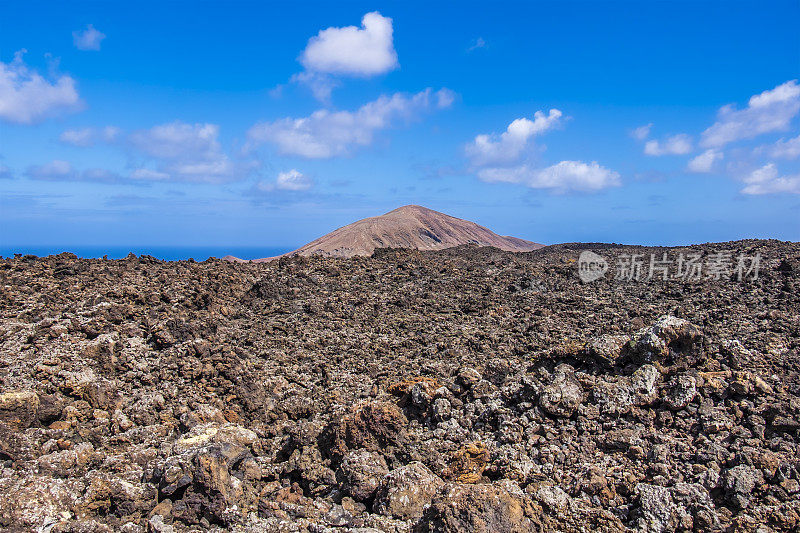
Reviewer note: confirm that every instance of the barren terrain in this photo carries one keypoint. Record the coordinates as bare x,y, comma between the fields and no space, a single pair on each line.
467,389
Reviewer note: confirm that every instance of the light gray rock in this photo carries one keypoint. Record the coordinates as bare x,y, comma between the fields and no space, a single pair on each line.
682,390
405,491
739,483
360,473
563,396
441,409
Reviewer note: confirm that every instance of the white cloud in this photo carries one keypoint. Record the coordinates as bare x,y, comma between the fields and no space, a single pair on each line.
178,140
184,152
365,51
642,132
507,148
5,173
765,180
767,112
53,171
321,85
84,137
350,51
80,137
562,177
293,181
59,170
676,145
325,134
88,38
149,175
786,149
26,97
705,161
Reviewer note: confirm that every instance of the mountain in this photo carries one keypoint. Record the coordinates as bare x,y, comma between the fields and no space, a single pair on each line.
410,226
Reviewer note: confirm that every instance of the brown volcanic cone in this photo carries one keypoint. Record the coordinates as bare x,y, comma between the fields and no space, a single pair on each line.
410,226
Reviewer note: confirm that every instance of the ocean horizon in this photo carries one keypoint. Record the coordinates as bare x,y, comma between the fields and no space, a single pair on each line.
165,253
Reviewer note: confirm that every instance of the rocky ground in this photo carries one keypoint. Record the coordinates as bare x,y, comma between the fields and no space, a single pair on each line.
460,390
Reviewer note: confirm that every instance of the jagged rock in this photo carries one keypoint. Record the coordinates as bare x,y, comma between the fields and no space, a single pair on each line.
200,483
617,397
18,408
372,426
738,356
681,392
563,395
32,501
402,388
441,409
227,397
683,507
739,483
468,377
614,398
156,525
695,506
552,498
644,384
656,509
406,491
606,349
654,342
360,473
468,463
480,509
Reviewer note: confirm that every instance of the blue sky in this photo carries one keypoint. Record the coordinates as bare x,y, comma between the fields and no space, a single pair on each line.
269,124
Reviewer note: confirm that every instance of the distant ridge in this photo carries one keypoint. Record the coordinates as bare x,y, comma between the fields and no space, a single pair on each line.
410,226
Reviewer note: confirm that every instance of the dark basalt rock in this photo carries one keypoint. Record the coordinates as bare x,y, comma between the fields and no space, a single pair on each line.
466,389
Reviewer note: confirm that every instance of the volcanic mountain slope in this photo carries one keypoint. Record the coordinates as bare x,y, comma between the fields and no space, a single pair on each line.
410,226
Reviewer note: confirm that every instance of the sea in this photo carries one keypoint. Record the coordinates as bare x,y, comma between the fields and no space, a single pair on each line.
166,253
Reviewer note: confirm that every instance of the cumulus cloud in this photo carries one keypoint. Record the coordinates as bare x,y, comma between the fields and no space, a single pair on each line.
676,145
350,51
766,180
26,97
562,177
325,134
88,38
291,180
365,51
184,152
60,170
786,149
642,132
504,158
85,137
767,112
705,162
507,147
5,173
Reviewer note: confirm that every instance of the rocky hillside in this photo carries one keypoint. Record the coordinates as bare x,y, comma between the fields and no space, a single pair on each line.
468,389
410,226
